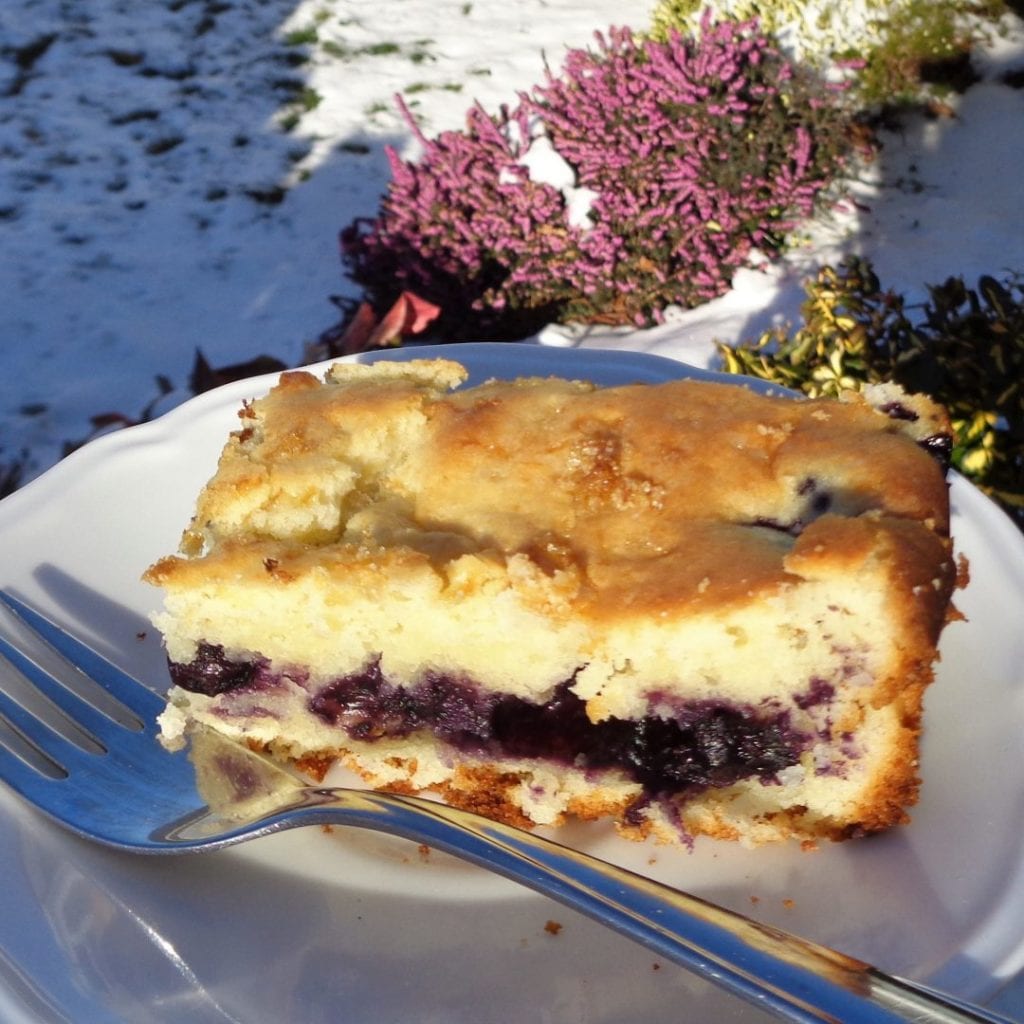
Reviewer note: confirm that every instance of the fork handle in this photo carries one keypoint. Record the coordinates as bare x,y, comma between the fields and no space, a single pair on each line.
789,976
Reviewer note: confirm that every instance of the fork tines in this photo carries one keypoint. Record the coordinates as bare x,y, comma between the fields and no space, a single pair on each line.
61,703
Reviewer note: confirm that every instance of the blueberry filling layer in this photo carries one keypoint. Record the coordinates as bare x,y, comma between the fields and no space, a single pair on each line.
703,743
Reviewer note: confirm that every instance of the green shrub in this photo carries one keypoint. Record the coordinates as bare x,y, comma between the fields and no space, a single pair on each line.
964,347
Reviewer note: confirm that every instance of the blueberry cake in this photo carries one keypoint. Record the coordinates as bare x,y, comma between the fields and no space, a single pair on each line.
687,607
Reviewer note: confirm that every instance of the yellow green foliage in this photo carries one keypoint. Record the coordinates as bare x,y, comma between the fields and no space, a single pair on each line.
902,51
816,26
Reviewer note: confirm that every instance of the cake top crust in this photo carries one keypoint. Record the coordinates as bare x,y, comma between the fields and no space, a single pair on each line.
637,496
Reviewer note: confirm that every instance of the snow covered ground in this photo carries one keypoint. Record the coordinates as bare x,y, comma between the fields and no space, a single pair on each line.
173,176
164,187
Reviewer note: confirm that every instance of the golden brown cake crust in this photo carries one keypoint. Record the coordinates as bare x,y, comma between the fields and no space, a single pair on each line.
649,497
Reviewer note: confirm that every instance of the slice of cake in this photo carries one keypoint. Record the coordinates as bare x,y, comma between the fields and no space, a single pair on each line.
686,606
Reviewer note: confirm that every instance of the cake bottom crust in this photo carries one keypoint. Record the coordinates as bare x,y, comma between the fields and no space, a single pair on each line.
528,793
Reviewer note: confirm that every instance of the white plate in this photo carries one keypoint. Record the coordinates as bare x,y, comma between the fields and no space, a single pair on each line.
314,927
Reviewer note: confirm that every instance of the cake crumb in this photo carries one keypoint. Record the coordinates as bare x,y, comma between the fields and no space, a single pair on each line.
963,572
552,927
789,904
424,851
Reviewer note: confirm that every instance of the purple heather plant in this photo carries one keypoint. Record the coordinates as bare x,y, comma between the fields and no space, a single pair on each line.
698,152
455,227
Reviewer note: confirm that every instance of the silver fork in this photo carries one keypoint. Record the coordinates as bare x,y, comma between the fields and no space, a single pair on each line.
93,764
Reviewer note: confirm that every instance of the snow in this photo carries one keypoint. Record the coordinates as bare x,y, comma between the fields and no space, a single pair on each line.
173,177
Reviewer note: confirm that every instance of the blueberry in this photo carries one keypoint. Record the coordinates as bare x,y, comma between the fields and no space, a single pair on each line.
211,673
940,448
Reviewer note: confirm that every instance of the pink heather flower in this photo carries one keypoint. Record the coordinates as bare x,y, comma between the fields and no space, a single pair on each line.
695,152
